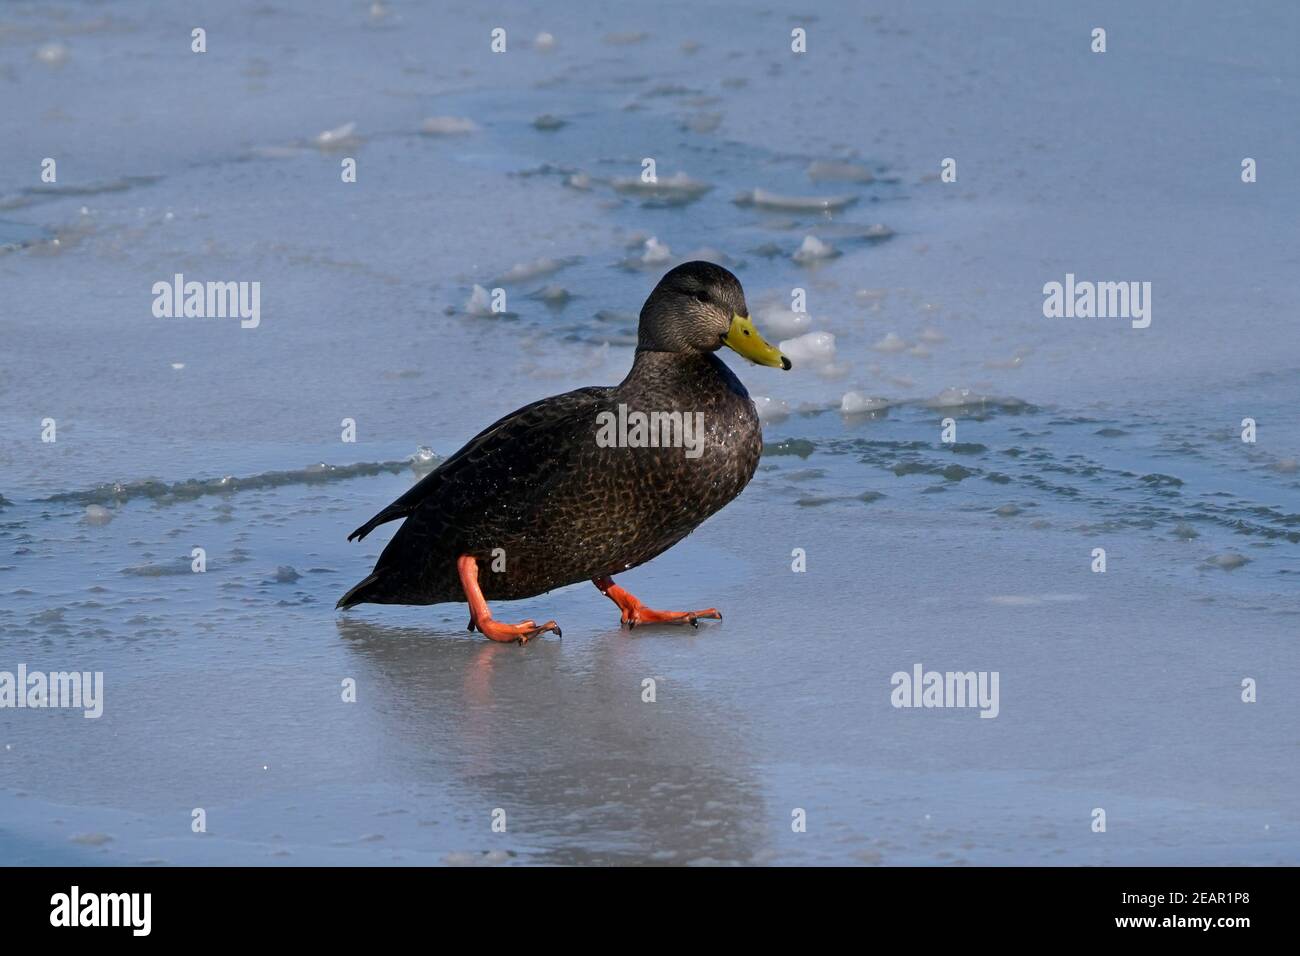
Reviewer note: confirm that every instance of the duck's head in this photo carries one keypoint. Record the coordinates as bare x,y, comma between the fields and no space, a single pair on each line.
700,307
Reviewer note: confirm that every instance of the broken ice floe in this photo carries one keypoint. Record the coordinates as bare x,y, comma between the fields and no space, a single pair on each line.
654,255
814,250
678,189
840,173
859,403
781,322
771,409
815,350
951,398
341,137
889,343
97,515
52,54
480,304
424,460
552,295
527,271
774,202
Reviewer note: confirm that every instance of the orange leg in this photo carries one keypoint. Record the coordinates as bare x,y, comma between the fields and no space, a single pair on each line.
634,612
480,615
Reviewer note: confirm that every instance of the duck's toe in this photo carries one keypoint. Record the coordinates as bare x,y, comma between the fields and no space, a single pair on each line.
633,612
523,632
648,615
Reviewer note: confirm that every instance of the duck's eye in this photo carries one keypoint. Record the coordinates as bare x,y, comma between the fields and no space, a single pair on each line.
702,296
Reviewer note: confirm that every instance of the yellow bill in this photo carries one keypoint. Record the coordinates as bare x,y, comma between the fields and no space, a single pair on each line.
744,338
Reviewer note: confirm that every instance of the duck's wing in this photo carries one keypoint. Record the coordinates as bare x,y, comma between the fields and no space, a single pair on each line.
518,441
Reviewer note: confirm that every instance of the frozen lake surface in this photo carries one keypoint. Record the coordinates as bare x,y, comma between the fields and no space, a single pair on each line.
1118,690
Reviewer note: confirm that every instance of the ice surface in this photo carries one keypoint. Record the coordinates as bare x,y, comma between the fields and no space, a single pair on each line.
448,126
833,172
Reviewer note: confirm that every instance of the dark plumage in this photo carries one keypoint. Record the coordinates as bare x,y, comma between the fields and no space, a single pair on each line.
538,485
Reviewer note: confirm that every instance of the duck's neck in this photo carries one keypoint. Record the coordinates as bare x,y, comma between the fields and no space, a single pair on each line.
699,371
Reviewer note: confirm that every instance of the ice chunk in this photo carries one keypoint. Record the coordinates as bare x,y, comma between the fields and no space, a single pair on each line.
341,137
962,397
889,343
816,349
771,409
775,202
858,403
52,54
97,515
677,189
424,460
655,252
479,303
526,271
779,321
553,295
814,250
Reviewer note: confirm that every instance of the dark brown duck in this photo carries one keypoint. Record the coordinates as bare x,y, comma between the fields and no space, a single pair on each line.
569,488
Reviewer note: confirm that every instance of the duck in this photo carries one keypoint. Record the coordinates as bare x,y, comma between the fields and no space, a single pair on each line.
591,483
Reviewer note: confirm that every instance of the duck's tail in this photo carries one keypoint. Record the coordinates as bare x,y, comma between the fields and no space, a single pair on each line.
357,594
